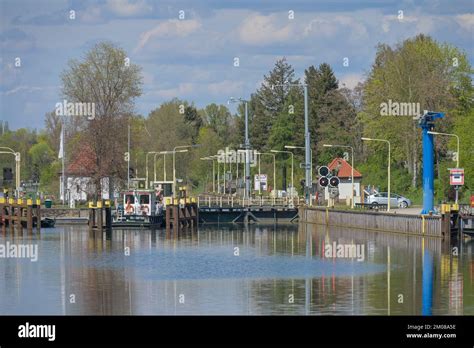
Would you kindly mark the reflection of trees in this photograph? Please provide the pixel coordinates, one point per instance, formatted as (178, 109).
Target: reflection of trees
(121, 290)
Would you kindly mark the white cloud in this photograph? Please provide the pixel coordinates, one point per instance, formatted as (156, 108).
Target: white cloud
(331, 25)
(466, 21)
(225, 88)
(125, 8)
(91, 15)
(28, 89)
(172, 27)
(350, 80)
(257, 29)
(184, 89)
(416, 24)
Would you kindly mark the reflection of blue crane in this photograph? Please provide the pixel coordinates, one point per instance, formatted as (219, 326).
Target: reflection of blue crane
(427, 124)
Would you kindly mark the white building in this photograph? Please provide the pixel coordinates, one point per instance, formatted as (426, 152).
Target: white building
(79, 184)
(344, 174)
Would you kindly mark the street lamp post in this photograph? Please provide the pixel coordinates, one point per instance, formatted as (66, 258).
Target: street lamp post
(237, 174)
(307, 147)
(154, 167)
(246, 145)
(292, 160)
(17, 166)
(388, 175)
(311, 155)
(225, 160)
(352, 169)
(146, 165)
(274, 167)
(174, 162)
(164, 153)
(457, 155)
(218, 178)
(213, 172)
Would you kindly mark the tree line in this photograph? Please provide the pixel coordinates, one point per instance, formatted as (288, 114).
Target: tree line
(434, 76)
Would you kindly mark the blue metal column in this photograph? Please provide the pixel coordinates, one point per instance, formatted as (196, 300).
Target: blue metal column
(427, 124)
(427, 283)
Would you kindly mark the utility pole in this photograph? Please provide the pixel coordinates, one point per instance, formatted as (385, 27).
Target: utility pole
(308, 158)
(247, 155)
(246, 144)
(128, 158)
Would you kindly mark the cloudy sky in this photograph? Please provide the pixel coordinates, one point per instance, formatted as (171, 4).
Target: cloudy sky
(193, 58)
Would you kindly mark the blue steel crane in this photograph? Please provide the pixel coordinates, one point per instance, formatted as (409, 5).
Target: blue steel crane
(427, 124)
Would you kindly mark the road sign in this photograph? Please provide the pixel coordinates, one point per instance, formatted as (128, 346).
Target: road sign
(456, 176)
(305, 165)
(260, 182)
(333, 192)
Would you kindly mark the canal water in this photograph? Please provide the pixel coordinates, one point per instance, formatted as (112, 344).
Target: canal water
(236, 270)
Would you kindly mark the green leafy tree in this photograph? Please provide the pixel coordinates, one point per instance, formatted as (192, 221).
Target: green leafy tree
(331, 115)
(418, 70)
(270, 101)
(106, 78)
(219, 118)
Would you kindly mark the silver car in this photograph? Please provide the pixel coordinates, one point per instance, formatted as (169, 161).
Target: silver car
(395, 200)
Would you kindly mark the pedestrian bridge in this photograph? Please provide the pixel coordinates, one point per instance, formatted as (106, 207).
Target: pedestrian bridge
(229, 201)
(227, 208)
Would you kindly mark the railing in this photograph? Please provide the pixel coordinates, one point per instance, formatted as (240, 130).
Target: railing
(466, 209)
(403, 223)
(228, 201)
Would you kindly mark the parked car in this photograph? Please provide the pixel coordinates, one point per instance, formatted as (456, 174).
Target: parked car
(395, 200)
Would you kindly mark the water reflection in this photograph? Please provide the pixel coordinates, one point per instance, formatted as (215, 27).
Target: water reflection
(236, 269)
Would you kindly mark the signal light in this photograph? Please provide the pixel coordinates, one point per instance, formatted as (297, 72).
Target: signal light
(334, 181)
(323, 171)
(323, 181)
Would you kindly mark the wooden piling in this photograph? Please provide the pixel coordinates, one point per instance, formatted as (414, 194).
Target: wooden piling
(29, 219)
(181, 215)
(19, 213)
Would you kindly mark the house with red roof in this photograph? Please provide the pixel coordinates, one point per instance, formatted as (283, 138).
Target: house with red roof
(343, 170)
(79, 173)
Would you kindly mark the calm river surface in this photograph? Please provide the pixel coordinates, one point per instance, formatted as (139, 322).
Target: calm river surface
(233, 269)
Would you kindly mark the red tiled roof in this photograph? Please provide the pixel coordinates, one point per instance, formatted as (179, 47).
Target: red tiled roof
(83, 163)
(344, 169)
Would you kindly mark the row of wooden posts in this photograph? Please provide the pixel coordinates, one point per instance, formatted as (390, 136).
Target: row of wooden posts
(100, 216)
(20, 213)
(181, 213)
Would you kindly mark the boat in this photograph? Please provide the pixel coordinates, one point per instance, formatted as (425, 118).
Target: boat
(143, 207)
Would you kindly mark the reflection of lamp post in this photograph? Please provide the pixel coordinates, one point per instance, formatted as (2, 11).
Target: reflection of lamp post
(457, 155)
(213, 172)
(388, 176)
(292, 157)
(174, 162)
(352, 169)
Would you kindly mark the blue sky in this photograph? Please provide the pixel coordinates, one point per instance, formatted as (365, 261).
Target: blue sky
(192, 58)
